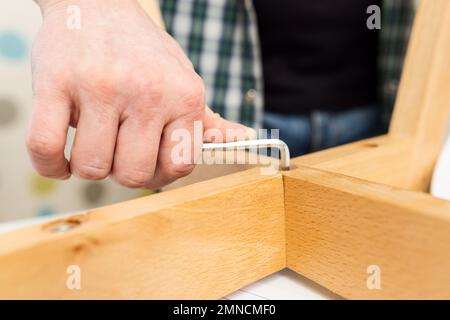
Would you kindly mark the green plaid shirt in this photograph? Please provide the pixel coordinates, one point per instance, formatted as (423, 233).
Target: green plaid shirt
(221, 39)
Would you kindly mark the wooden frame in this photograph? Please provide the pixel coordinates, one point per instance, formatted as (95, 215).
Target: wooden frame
(332, 216)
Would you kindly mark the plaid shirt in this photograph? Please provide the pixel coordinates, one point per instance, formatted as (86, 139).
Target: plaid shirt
(221, 39)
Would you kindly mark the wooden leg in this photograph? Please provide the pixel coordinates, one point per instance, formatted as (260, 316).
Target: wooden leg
(199, 242)
(337, 227)
(423, 103)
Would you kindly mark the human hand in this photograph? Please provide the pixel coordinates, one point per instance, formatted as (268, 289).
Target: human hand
(124, 83)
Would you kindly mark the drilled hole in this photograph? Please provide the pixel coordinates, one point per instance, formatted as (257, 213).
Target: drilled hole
(65, 225)
(62, 227)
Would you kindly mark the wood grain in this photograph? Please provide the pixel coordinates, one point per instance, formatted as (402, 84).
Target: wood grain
(199, 242)
(423, 102)
(338, 226)
(382, 159)
(336, 213)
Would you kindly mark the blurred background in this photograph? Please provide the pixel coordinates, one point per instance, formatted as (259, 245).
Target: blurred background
(24, 194)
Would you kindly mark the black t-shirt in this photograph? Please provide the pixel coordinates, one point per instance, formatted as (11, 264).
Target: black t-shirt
(317, 54)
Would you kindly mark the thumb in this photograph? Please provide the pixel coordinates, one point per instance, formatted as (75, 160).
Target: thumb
(228, 130)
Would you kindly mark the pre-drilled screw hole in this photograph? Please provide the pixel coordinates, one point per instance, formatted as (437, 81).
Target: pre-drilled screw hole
(65, 225)
(62, 227)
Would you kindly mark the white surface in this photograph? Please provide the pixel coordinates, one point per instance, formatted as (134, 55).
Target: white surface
(284, 285)
(440, 185)
(16, 224)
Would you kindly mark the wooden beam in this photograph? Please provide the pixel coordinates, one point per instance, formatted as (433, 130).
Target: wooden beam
(382, 159)
(338, 226)
(199, 242)
(423, 102)
(329, 219)
(212, 238)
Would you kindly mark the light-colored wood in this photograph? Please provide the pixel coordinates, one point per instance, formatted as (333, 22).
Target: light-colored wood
(338, 226)
(423, 103)
(199, 242)
(211, 238)
(382, 159)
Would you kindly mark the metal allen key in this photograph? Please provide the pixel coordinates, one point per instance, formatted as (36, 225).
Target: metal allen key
(285, 157)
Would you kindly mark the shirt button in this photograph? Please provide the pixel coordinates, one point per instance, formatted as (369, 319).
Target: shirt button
(250, 96)
(391, 87)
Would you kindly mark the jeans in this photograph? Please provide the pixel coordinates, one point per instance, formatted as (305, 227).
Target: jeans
(324, 129)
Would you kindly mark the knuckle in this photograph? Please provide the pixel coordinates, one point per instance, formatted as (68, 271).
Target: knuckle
(193, 93)
(92, 172)
(174, 172)
(43, 147)
(133, 179)
(101, 81)
(148, 103)
(103, 85)
(150, 88)
(105, 113)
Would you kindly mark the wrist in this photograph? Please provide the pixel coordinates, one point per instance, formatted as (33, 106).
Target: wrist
(48, 3)
(45, 5)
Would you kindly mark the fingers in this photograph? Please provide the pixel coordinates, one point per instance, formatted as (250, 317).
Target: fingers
(47, 134)
(181, 145)
(182, 141)
(137, 151)
(94, 144)
(229, 131)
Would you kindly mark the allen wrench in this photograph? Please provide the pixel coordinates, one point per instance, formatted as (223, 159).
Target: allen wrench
(285, 156)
